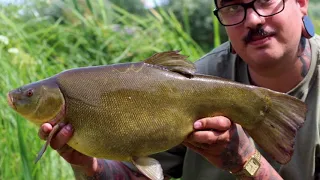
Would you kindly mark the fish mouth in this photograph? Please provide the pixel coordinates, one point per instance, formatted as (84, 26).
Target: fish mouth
(10, 101)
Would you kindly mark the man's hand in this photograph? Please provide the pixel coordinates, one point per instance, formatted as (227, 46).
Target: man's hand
(221, 142)
(59, 143)
(86, 167)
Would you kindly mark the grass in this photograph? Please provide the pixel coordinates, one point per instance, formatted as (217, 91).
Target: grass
(36, 46)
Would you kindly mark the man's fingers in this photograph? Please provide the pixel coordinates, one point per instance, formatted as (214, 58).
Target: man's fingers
(219, 123)
(193, 147)
(65, 150)
(210, 137)
(62, 137)
(44, 131)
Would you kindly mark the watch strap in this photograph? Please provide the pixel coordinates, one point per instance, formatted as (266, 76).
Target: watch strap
(255, 158)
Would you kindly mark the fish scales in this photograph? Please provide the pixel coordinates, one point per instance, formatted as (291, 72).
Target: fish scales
(132, 110)
(153, 104)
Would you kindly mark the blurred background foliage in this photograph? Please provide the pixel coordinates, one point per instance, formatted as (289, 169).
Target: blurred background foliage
(39, 38)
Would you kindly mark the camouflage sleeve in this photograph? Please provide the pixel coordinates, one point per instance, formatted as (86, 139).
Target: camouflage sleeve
(108, 169)
(219, 62)
(171, 161)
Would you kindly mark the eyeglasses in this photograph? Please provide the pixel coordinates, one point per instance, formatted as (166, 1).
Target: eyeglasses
(234, 14)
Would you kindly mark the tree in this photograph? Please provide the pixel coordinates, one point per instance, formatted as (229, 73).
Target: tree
(132, 6)
(197, 19)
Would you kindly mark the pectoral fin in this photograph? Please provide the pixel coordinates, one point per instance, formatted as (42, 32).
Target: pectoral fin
(149, 167)
(55, 129)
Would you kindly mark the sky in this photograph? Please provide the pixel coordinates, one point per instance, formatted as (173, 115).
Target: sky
(151, 3)
(11, 1)
(148, 3)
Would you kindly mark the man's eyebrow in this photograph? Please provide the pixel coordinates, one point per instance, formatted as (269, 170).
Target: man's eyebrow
(224, 2)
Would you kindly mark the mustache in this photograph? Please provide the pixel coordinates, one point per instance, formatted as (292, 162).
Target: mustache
(259, 31)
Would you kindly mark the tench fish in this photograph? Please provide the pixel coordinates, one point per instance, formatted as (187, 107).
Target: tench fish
(129, 111)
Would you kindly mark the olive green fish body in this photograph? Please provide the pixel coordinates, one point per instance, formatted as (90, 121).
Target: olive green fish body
(132, 110)
(125, 111)
(139, 109)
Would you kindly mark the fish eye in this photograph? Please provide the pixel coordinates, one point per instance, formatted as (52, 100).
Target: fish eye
(29, 92)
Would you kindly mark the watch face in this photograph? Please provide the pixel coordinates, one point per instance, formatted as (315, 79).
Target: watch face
(252, 167)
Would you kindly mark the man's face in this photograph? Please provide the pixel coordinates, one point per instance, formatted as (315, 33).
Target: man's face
(263, 41)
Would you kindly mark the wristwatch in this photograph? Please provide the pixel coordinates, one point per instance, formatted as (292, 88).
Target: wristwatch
(251, 167)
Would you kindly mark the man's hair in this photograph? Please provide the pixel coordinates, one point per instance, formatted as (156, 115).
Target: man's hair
(216, 3)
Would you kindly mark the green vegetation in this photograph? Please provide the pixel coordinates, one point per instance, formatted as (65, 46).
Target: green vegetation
(35, 46)
(40, 39)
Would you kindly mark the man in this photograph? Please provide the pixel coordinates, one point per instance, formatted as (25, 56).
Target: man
(271, 45)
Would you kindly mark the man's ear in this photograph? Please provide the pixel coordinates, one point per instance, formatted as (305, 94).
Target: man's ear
(303, 6)
(307, 25)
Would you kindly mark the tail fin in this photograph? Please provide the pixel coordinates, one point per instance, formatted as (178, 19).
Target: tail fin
(276, 134)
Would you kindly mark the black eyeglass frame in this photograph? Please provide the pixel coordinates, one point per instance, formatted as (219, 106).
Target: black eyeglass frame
(245, 6)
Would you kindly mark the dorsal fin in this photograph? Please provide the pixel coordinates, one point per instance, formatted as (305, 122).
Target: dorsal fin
(172, 61)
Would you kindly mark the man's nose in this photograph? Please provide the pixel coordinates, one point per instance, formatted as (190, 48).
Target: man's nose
(253, 19)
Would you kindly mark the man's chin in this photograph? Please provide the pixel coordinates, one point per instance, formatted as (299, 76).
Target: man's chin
(262, 58)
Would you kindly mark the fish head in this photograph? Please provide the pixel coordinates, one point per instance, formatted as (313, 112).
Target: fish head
(39, 102)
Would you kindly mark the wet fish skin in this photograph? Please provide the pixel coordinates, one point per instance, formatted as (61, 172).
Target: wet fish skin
(132, 110)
